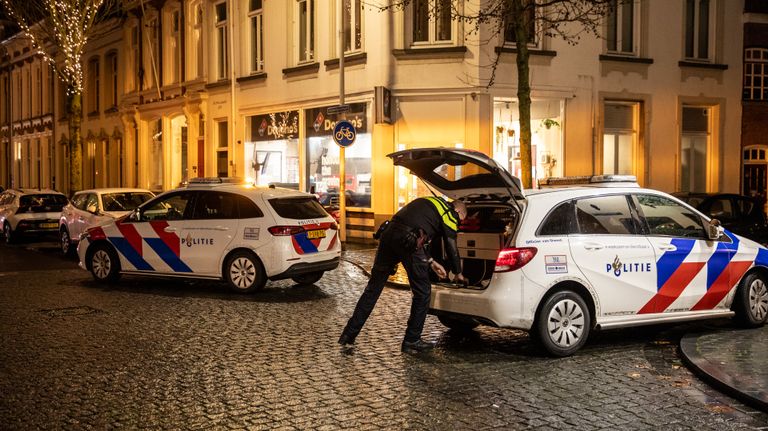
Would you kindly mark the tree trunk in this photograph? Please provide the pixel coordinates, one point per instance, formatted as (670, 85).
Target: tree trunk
(523, 92)
(74, 115)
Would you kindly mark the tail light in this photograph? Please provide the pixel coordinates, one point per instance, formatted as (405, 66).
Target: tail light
(511, 259)
(285, 230)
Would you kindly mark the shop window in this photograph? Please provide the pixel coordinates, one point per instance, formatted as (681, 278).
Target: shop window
(694, 148)
(620, 137)
(272, 149)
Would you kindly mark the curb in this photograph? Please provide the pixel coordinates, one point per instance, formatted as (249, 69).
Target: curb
(715, 376)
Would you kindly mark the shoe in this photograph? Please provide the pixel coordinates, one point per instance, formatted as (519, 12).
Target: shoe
(418, 346)
(346, 341)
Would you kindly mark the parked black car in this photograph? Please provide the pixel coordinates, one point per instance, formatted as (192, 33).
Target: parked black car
(742, 215)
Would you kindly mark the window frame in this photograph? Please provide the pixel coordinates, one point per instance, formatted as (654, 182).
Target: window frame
(536, 43)
(750, 65)
(221, 40)
(634, 215)
(618, 12)
(94, 82)
(353, 20)
(308, 29)
(709, 136)
(256, 40)
(636, 107)
(647, 228)
(432, 23)
(112, 81)
(692, 31)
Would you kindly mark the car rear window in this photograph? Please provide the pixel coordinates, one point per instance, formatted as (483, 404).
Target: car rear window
(298, 207)
(125, 201)
(42, 203)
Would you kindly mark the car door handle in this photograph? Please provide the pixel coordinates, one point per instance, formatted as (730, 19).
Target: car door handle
(170, 229)
(667, 247)
(593, 246)
(221, 228)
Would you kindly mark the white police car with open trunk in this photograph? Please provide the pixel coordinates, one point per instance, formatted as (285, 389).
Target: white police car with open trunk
(217, 229)
(560, 262)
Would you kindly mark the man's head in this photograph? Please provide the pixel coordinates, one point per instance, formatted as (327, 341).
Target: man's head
(460, 208)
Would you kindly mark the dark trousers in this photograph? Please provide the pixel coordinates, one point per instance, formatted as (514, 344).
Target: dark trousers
(388, 255)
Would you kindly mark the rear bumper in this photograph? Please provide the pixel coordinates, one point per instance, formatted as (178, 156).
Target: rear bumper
(307, 267)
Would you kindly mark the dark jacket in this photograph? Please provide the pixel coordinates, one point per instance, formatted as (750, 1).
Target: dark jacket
(422, 214)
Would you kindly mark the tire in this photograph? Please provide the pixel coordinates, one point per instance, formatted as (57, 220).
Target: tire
(104, 264)
(751, 301)
(308, 278)
(65, 242)
(457, 324)
(243, 272)
(8, 235)
(563, 323)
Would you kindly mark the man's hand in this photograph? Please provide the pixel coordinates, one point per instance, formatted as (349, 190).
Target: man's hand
(439, 270)
(460, 279)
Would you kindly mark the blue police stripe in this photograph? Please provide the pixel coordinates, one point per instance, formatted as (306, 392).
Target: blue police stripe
(305, 243)
(167, 255)
(671, 260)
(719, 261)
(762, 257)
(124, 247)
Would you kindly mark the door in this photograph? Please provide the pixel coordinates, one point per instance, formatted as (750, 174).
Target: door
(206, 237)
(612, 254)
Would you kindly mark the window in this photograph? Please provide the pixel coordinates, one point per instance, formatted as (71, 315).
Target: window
(111, 81)
(305, 30)
(694, 149)
(174, 45)
(605, 215)
(151, 67)
(256, 17)
(755, 74)
(298, 208)
(213, 205)
(559, 221)
(621, 27)
(222, 41)
(94, 85)
(197, 57)
(133, 57)
(222, 150)
(352, 25)
(620, 137)
(698, 29)
(529, 20)
(169, 207)
(431, 22)
(666, 217)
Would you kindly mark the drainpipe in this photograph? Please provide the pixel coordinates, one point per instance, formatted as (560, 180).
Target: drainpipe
(232, 100)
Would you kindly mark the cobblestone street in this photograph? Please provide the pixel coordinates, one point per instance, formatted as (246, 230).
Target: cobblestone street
(160, 354)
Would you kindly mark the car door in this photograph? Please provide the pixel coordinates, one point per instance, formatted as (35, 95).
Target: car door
(611, 253)
(693, 271)
(85, 214)
(152, 236)
(204, 240)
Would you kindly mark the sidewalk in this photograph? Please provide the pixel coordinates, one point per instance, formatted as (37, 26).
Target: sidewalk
(732, 360)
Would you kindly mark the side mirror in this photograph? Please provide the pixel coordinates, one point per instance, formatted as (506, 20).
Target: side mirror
(714, 230)
(135, 215)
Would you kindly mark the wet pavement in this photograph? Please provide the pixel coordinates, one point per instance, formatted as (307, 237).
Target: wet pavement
(734, 361)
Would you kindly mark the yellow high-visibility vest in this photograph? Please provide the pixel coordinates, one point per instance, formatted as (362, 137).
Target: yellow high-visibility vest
(449, 217)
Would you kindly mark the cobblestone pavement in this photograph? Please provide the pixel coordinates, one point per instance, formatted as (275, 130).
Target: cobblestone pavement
(152, 353)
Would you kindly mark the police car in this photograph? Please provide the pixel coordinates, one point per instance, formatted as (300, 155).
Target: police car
(561, 262)
(217, 229)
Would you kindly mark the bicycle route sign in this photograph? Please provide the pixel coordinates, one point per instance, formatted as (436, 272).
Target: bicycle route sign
(344, 133)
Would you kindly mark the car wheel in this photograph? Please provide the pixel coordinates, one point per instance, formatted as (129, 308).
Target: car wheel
(457, 324)
(563, 323)
(104, 264)
(243, 272)
(751, 301)
(308, 278)
(65, 242)
(10, 238)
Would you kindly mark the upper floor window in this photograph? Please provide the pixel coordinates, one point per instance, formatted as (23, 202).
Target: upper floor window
(528, 19)
(222, 41)
(173, 42)
(256, 18)
(621, 27)
(352, 25)
(698, 29)
(151, 63)
(196, 59)
(94, 85)
(755, 74)
(305, 30)
(133, 76)
(431, 23)
(111, 80)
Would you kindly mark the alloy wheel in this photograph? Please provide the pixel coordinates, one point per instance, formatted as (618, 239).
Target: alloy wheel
(242, 272)
(101, 264)
(565, 323)
(758, 299)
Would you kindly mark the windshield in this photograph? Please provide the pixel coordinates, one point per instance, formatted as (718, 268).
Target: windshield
(125, 201)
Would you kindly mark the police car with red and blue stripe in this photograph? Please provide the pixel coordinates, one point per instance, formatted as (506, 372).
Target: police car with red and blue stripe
(600, 253)
(218, 229)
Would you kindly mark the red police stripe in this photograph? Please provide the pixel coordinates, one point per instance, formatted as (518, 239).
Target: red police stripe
(333, 241)
(132, 236)
(169, 238)
(722, 285)
(672, 288)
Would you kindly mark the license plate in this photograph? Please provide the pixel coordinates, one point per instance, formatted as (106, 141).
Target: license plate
(48, 225)
(314, 234)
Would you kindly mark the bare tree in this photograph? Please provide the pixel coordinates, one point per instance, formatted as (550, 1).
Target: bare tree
(524, 21)
(58, 30)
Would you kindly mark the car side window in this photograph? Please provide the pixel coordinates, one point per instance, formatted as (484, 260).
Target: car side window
(79, 201)
(171, 207)
(721, 208)
(745, 205)
(92, 203)
(248, 209)
(666, 217)
(215, 205)
(607, 215)
(559, 221)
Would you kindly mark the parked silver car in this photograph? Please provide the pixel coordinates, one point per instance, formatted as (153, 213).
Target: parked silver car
(30, 212)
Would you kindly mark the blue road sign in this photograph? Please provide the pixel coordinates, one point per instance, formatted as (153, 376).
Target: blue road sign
(344, 133)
